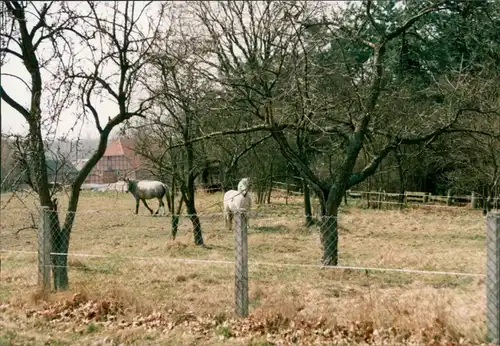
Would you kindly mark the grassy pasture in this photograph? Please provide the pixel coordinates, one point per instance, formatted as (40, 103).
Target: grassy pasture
(132, 261)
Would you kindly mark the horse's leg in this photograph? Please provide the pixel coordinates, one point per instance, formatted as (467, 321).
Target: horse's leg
(230, 220)
(226, 218)
(137, 205)
(162, 205)
(227, 212)
(147, 206)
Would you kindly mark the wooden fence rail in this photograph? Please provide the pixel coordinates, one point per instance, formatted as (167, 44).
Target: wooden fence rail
(376, 199)
(382, 199)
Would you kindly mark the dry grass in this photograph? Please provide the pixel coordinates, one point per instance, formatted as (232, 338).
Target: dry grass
(435, 239)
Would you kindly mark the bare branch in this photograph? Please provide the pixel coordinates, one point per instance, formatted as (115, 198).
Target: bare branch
(11, 52)
(11, 102)
(18, 78)
(409, 23)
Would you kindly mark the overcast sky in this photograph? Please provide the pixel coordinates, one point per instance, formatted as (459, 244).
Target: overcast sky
(14, 70)
(13, 122)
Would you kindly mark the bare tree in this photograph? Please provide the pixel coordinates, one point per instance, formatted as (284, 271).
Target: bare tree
(26, 44)
(476, 157)
(252, 42)
(232, 152)
(154, 143)
(179, 95)
(114, 38)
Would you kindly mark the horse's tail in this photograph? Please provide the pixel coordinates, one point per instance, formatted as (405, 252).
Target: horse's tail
(167, 196)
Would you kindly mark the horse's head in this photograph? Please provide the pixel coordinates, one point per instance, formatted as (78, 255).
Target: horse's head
(130, 183)
(244, 185)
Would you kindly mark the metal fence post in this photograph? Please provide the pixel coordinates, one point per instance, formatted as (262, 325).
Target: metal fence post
(493, 276)
(44, 249)
(241, 279)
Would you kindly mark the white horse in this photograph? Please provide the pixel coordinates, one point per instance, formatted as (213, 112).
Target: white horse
(237, 201)
(148, 189)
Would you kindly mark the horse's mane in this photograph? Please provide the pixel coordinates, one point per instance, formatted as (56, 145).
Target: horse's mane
(132, 183)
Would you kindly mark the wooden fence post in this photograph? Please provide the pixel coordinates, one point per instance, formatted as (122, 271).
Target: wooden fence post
(425, 199)
(493, 277)
(473, 200)
(44, 249)
(241, 279)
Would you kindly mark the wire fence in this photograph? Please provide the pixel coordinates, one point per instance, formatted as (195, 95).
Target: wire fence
(271, 247)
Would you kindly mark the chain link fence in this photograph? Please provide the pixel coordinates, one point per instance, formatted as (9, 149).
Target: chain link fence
(270, 260)
(493, 277)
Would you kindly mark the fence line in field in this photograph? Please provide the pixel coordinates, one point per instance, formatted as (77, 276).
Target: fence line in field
(358, 193)
(409, 196)
(378, 198)
(254, 263)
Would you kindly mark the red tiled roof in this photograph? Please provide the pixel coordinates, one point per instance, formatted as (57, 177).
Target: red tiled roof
(128, 146)
(120, 146)
(114, 148)
(128, 150)
(123, 147)
(128, 162)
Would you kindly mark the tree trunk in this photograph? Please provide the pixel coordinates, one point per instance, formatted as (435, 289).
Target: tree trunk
(60, 246)
(61, 235)
(330, 200)
(195, 220)
(174, 222)
(174, 225)
(401, 173)
(307, 204)
(260, 195)
(198, 236)
(190, 198)
(329, 237)
(489, 203)
(270, 190)
(191, 210)
(176, 217)
(287, 192)
(60, 238)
